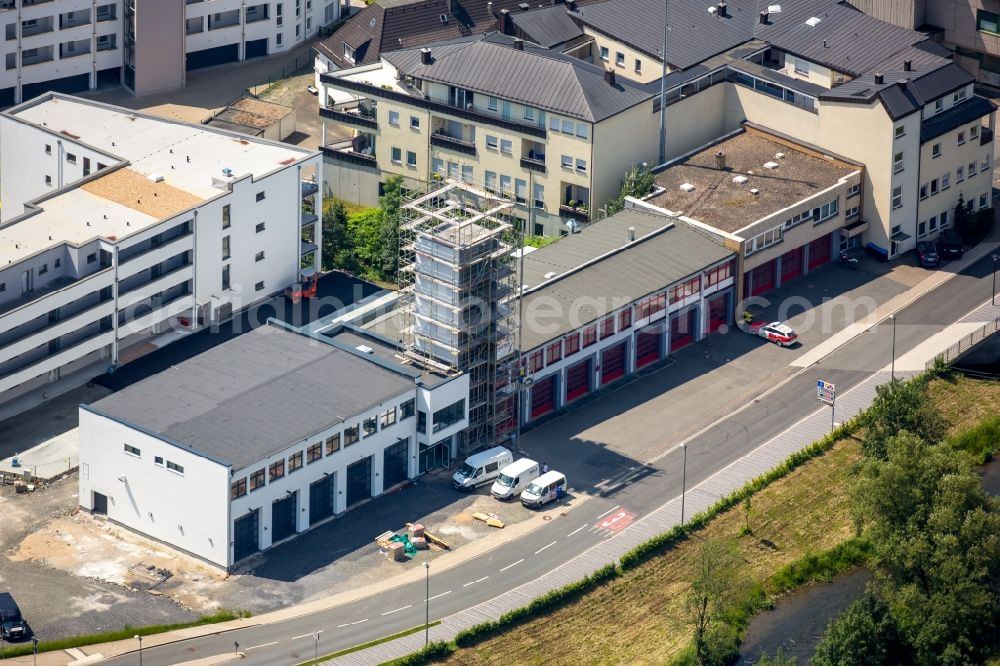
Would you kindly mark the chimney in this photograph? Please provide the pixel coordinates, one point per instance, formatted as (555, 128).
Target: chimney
(489, 8)
(879, 79)
(571, 5)
(825, 44)
(721, 10)
(519, 44)
(524, 6)
(631, 234)
(764, 16)
(902, 83)
(720, 161)
(506, 25)
(609, 76)
(907, 65)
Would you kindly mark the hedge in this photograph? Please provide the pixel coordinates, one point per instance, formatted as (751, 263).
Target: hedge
(431, 652)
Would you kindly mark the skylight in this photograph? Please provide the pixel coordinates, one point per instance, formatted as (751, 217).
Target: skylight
(813, 22)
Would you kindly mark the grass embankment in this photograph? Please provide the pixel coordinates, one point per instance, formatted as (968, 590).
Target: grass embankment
(801, 529)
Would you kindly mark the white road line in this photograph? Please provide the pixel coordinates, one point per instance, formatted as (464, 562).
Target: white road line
(608, 511)
(544, 547)
(396, 610)
(512, 565)
(576, 530)
(254, 647)
(475, 581)
(341, 626)
(359, 621)
(295, 638)
(437, 596)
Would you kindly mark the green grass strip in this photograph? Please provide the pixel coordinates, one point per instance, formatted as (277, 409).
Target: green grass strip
(369, 644)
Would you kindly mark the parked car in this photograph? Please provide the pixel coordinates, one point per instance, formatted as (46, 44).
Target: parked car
(950, 244)
(780, 334)
(927, 254)
(312, 89)
(12, 625)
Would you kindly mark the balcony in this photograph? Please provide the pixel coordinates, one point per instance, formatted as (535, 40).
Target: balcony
(355, 118)
(73, 49)
(163, 282)
(533, 164)
(74, 19)
(256, 13)
(106, 13)
(36, 27)
(166, 309)
(36, 56)
(985, 136)
(309, 188)
(77, 350)
(74, 322)
(351, 152)
(441, 139)
(308, 219)
(224, 20)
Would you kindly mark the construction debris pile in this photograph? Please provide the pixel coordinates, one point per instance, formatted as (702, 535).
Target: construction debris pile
(404, 547)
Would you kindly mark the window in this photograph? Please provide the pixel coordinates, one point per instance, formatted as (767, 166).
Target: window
(923, 191)
(970, 205)
(351, 435)
(897, 197)
(933, 223)
(650, 306)
(582, 131)
(421, 422)
(411, 158)
(259, 256)
(414, 123)
(48, 149)
(259, 286)
(539, 195)
(958, 96)
(801, 67)
(132, 451)
(767, 239)
(944, 219)
(506, 146)
(974, 132)
(48, 180)
(607, 327)
(71, 158)
(278, 37)
(959, 174)
(449, 416)
(520, 191)
(225, 217)
(987, 21)
(572, 344)
(553, 123)
(624, 319)
(853, 211)
(567, 162)
(394, 118)
(961, 137)
(682, 291)
(369, 426)
(539, 229)
(259, 228)
(590, 335)
(897, 162)
(388, 417)
(238, 489)
(257, 480)
(261, 196)
(529, 113)
(934, 187)
(407, 408)
(854, 190)
(553, 352)
(91, 258)
(921, 229)
(983, 200)
(936, 151)
(536, 361)
(938, 105)
(492, 104)
(225, 277)
(43, 269)
(567, 126)
(491, 181)
(276, 470)
(314, 452)
(467, 176)
(581, 166)
(718, 274)
(900, 131)
(333, 443)
(972, 169)
(225, 247)
(294, 462)
(604, 53)
(946, 181)
(491, 142)
(619, 59)
(505, 184)
(397, 155)
(638, 66)
(348, 52)
(986, 163)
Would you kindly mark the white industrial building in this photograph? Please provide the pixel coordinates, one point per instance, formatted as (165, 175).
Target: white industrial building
(261, 438)
(118, 226)
(148, 45)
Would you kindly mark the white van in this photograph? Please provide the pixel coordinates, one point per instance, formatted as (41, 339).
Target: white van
(544, 489)
(481, 468)
(514, 478)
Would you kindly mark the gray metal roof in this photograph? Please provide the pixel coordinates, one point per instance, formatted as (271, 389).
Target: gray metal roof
(955, 117)
(533, 76)
(645, 266)
(547, 27)
(904, 92)
(255, 395)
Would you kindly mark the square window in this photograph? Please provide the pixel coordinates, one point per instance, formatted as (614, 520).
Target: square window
(351, 435)
(972, 169)
(314, 452)
(407, 409)
(492, 104)
(411, 158)
(294, 462)
(388, 417)
(257, 479)
(567, 162)
(43, 269)
(624, 319)
(529, 113)
(936, 151)
(369, 426)
(394, 118)
(48, 180)
(572, 343)
(397, 155)
(938, 105)
(590, 335)
(259, 256)
(261, 196)
(604, 53)
(607, 327)
(974, 132)
(619, 59)
(923, 191)
(801, 67)
(553, 352)
(581, 166)
(238, 489)
(986, 163)
(333, 443)
(276, 470)
(414, 122)
(491, 142)
(567, 126)
(506, 146)
(958, 96)
(582, 130)
(259, 286)
(900, 131)
(91, 258)
(48, 149)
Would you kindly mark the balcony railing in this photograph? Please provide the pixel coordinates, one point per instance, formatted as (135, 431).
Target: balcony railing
(341, 152)
(443, 140)
(355, 119)
(985, 136)
(533, 164)
(576, 212)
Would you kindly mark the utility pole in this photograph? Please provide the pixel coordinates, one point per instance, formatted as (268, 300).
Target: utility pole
(663, 84)
(684, 481)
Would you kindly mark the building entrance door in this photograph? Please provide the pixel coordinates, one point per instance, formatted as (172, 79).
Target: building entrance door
(433, 456)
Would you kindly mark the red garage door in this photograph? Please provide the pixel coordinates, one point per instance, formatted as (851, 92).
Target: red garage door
(612, 363)
(718, 311)
(578, 380)
(791, 265)
(819, 252)
(762, 278)
(681, 330)
(648, 346)
(543, 396)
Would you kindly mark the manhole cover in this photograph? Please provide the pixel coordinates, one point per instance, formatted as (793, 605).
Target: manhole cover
(546, 517)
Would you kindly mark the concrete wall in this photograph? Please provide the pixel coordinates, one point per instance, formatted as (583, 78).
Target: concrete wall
(620, 142)
(651, 69)
(159, 46)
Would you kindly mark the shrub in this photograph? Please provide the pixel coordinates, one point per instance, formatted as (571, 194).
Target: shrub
(430, 653)
(980, 442)
(819, 567)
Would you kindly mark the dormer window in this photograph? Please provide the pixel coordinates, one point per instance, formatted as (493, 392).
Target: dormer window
(348, 53)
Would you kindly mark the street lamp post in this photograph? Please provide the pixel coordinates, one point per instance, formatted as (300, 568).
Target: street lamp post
(892, 366)
(316, 644)
(427, 604)
(139, 638)
(684, 480)
(993, 300)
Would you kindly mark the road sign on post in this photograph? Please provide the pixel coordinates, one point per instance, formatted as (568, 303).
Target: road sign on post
(825, 392)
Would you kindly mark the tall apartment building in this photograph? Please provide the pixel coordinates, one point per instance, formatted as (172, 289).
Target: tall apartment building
(148, 45)
(118, 226)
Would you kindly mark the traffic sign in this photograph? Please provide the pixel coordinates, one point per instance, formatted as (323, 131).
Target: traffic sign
(825, 392)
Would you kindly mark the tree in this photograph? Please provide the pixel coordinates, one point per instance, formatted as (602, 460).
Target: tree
(337, 250)
(364, 228)
(864, 634)
(935, 539)
(637, 182)
(715, 590)
(899, 406)
(386, 265)
(779, 659)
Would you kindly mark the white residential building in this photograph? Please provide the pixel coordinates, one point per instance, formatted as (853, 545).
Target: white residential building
(261, 438)
(148, 45)
(117, 226)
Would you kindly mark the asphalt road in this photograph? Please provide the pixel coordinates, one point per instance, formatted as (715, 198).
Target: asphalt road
(640, 490)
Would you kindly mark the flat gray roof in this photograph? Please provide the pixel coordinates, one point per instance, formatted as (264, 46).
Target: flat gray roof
(255, 395)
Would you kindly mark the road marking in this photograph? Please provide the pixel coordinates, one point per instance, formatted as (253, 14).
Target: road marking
(576, 530)
(396, 610)
(254, 647)
(512, 565)
(341, 626)
(618, 506)
(295, 638)
(544, 547)
(359, 621)
(437, 595)
(618, 521)
(475, 581)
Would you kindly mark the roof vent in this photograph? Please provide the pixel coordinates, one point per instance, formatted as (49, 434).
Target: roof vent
(425, 56)
(770, 165)
(774, 9)
(907, 65)
(631, 234)
(754, 191)
(609, 76)
(550, 275)
(524, 6)
(713, 9)
(227, 172)
(365, 349)
(519, 44)
(779, 156)
(720, 161)
(813, 21)
(687, 187)
(155, 177)
(879, 79)
(489, 8)
(739, 180)
(764, 16)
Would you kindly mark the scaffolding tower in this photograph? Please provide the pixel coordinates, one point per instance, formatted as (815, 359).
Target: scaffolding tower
(457, 280)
